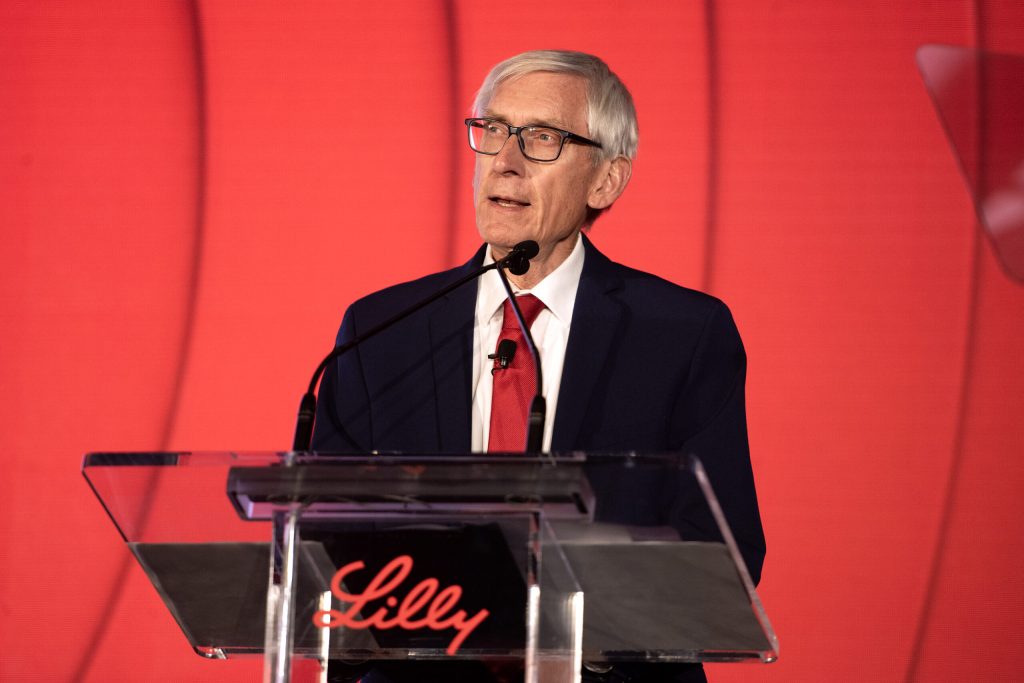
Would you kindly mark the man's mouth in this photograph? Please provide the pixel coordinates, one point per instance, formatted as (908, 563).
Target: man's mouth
(507, 202)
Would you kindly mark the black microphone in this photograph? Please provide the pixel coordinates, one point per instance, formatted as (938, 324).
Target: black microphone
(518, 258)
(506, 352)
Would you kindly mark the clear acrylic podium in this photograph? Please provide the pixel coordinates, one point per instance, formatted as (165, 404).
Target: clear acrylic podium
(360, 560)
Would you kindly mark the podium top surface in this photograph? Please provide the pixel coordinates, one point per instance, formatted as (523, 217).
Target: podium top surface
(384, 458)
(228, 496)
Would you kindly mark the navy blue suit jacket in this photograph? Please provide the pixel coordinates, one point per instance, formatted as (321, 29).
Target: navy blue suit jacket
(650, 367)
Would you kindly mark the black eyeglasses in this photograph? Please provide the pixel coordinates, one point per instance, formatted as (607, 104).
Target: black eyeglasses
(538, 143)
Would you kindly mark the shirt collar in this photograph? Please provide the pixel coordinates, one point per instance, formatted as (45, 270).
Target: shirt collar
(557, 290)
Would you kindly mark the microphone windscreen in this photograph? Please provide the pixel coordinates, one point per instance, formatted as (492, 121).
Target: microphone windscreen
(519, 259)
(528, 249)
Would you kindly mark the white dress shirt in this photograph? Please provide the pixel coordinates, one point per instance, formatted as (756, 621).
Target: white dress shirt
(550, 333)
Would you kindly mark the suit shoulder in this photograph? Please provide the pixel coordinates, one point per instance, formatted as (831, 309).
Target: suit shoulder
(404, 293)
(374, 309)
(658, 292)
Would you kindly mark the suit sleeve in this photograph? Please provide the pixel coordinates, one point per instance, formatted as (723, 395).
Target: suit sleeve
(709, 421)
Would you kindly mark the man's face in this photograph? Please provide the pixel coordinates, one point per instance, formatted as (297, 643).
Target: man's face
(518, 199)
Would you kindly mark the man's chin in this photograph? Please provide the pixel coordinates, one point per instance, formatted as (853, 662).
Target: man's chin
(503, 237)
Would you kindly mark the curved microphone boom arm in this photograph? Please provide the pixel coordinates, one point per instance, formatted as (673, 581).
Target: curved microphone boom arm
(517, 262)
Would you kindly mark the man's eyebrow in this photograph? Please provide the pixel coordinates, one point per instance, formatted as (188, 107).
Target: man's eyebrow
(488, 114)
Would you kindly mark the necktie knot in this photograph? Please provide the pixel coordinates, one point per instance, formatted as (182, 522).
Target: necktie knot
(531, 307)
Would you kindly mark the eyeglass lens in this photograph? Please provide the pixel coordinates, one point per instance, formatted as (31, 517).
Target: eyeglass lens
(539, 143)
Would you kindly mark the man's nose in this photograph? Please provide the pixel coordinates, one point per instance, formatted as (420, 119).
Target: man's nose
(509, 158)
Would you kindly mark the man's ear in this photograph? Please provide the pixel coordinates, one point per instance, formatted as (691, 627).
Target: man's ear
(610, 183)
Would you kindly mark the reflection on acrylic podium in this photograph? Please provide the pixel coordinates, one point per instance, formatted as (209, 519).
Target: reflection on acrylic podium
(363, 560)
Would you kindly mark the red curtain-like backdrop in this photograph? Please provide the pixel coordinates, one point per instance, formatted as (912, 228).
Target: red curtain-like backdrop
(191, 192)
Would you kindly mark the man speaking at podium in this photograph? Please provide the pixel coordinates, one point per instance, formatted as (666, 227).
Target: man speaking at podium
(631, 362)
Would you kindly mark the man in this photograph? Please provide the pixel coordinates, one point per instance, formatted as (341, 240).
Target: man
(631, 362)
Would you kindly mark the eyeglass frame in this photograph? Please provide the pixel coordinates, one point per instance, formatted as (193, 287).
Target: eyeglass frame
(516, 130)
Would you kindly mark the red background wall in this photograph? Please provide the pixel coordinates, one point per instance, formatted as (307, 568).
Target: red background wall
(190, 193)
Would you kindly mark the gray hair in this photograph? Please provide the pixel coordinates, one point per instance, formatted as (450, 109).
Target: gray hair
(611, 117)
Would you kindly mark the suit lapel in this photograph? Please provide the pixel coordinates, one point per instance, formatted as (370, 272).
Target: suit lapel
(596, 318)
(451, 340)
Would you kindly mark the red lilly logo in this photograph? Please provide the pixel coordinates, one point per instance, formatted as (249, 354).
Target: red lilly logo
(415, 604)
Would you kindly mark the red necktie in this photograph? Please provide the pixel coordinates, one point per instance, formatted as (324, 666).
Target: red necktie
(514, 384)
